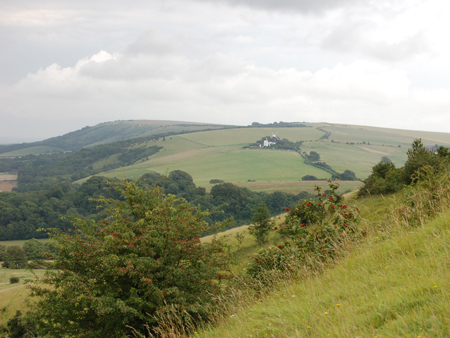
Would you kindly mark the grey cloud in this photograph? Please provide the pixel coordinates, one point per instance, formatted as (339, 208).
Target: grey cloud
(350, 37)
(405, 49)
(149, 43)
(303, 6)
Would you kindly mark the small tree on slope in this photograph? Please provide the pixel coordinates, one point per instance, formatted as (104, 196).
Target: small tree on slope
(262, 224)
(127, 270)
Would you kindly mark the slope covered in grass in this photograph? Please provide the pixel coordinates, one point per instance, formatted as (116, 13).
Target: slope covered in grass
(393, 283)
(390, 286)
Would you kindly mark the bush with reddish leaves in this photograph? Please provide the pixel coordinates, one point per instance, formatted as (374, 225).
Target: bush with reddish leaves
(127, 270)
(314, 228)
(317, 226)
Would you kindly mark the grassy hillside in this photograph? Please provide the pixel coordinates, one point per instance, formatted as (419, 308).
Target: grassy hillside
(390, 286)
(393, 283)
(36, 150)
(219, 155)
(103, 133)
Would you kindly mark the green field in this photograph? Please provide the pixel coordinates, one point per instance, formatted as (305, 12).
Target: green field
(219, 155)
(21, 241)
(13, 297)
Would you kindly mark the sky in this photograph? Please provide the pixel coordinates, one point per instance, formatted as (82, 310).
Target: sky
(67, 64)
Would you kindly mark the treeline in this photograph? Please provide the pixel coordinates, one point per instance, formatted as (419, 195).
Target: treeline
(40, 172)
(283, 144)
(313, 159)
(22, 214)
(16, 257)
(386, 178)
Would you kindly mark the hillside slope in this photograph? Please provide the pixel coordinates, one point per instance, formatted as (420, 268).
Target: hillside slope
(103, 133)
(393, 284)
(219, 154)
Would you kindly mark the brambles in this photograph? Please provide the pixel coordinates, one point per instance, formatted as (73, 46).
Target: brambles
(317, 226)
(281, 258)
(314, 228)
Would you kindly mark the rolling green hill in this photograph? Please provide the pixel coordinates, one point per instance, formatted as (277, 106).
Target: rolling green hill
(220, 155)
(103, 133)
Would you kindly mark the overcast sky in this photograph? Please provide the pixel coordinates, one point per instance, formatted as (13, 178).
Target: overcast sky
(67, 64)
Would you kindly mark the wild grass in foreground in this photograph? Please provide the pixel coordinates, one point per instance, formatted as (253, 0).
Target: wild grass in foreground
(393, 283)
(388, 287)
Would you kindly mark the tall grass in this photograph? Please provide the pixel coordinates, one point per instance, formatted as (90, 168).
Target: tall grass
(393, 283)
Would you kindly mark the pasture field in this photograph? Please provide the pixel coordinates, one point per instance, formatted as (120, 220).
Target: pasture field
(20, 242)
(31, 151)
(7, 185)
(13, 297)
(7, 177)
(358, 158)
(294, 187)
(218, 154)
(7, 181)
(232, 165)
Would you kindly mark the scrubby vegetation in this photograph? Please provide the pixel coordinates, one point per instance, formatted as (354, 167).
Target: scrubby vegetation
(386, 178)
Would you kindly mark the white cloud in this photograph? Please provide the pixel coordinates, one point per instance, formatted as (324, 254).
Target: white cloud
(221, 89)
(369, 62)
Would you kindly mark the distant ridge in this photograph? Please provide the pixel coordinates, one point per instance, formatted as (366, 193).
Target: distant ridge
(107, 132)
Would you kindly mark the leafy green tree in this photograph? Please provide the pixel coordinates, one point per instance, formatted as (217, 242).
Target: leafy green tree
(2, 253)
(418, 157)
(34, 249)
(145, 259)
(262, 224)
(15, 258)
(385, 179)
(313, 156)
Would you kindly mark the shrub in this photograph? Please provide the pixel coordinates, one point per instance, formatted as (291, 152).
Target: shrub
(273, 259)
(15, 258)
(127, 270)
(13, 280)
(309, 178)
(262, 224)
(318, 226)
(216, 181)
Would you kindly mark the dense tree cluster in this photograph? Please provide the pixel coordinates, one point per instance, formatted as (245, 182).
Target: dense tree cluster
(386, 178)
(44, 171)
(22, 214)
